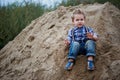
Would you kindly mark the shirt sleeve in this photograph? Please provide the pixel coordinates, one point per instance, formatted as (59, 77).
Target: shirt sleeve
(69, 37)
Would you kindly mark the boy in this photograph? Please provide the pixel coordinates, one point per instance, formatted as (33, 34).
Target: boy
(81, 39)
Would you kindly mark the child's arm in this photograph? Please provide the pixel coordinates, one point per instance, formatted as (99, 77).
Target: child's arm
(95, 37)
(69, 37)
(67, 42)
(92, 35)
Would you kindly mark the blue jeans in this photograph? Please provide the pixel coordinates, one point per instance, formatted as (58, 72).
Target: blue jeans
(87, 48)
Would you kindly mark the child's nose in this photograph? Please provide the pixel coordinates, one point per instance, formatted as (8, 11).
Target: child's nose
(80, 21)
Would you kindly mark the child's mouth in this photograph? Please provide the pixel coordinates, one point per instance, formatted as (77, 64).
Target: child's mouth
(80, 24)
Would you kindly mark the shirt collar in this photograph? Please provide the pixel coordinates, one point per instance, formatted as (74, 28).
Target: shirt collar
(78, 27)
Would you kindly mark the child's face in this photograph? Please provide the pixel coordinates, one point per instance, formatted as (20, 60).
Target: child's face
(79, 20)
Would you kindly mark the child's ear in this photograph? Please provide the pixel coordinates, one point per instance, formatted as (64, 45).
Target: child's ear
(72, 19)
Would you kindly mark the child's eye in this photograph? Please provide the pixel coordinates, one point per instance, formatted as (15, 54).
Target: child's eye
(77, 19)
(81, 19)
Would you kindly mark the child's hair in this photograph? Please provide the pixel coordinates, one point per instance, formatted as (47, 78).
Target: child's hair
(78, 11)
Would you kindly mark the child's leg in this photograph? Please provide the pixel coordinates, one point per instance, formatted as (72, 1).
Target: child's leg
(90, 58)
(90, 48)
(73, 52)
(90, 52)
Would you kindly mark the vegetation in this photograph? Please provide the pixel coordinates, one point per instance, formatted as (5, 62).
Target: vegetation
(15, 17)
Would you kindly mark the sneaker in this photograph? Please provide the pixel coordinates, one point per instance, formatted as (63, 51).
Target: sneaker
(69, 65)
(90, 65)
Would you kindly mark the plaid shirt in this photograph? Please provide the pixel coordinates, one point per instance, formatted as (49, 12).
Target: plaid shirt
(80, 33)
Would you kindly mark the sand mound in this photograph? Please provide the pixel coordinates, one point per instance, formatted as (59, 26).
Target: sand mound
(39, 53)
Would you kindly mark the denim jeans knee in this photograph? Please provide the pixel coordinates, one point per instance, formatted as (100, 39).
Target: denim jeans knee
(74, 49)
(90, 48)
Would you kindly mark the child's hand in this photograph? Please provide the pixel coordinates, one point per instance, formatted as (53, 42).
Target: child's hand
(89, 35)
(67, 42)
